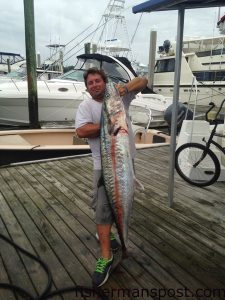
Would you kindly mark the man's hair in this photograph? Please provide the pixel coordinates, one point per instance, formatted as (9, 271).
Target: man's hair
(95, 71)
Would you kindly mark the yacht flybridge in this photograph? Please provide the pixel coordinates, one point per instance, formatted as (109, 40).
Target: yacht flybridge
(202, 70)
(59, 98)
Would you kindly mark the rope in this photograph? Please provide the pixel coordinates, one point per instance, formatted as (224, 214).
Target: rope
(46, 294)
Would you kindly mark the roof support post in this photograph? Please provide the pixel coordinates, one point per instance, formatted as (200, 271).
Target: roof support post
(179, 44)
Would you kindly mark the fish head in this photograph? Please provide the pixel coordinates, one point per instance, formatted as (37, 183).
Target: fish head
(114, 109)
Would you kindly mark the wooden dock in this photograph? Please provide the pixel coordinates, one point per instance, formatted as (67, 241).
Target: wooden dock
(175, 253)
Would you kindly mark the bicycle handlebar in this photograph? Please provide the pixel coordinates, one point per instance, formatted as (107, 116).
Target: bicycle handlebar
(212, 106)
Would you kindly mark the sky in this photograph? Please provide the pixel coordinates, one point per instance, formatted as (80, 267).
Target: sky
(60, 21)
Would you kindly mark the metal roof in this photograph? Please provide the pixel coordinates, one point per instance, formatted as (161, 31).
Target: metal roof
(162, 5)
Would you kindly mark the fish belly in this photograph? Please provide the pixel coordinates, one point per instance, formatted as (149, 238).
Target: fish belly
(118, 177)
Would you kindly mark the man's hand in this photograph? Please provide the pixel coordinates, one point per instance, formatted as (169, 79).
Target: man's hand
(136, 85)
(122, 89)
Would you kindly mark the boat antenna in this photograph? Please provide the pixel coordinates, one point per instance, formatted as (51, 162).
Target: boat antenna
(57, 61)
(107, 37)
(132, 39)
(57, 52)
(81, 42)
(78, 35)
(219, 8)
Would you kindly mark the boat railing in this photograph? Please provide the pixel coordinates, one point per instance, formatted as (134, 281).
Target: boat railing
(47, 85)
(15, 84)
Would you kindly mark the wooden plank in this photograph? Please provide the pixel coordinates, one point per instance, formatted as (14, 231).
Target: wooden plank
(184, 255)
(72, 223)
(15, 267)
(48, 225)
(192, 231)
(82, 256)
(156, 187)
(36, 235)
(4, 278)
(158, 270)
(170, 248)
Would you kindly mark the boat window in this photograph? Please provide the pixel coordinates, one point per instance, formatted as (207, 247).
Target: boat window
(213, 63)
(211, 53)
(210, 75)
(115, 72)
(165, 65)
(91, 63)
(84, 64)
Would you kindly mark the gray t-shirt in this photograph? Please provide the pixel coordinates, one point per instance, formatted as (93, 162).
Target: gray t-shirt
(89, 111)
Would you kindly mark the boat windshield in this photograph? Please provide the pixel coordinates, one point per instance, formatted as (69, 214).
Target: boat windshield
(20, 74)
(113, 70)
(76, 75)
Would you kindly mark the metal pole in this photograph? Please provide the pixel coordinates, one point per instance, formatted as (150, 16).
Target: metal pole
(31, 63)
(8, 65)
(179, 43)
(152, 51)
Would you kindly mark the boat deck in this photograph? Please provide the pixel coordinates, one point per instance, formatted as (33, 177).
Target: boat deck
(174, 253)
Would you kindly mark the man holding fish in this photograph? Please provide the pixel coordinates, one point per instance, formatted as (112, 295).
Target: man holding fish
(105, 121)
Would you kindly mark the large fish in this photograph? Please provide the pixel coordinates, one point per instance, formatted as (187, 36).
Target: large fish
(117, 165)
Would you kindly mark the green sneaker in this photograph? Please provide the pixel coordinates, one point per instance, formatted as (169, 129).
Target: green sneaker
(102, 271)
(113, 241)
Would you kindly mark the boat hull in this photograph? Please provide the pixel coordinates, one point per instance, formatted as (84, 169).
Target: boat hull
(11, 156)
(19, 146)
(57, 101)
(15, 112)
(205, 94)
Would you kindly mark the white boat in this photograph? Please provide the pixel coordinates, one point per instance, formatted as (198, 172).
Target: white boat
(37, 144)
(203, 59)
(21, 74)
(59, 98)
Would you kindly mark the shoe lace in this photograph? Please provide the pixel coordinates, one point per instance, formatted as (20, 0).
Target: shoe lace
(112, 236)
(101, 264)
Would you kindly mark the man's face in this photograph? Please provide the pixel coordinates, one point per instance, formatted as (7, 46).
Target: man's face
(96, 86)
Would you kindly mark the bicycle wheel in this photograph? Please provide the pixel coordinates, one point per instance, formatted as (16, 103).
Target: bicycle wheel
(194, 171)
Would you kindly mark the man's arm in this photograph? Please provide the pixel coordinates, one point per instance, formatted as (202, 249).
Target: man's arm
(135, 85)
(89, 130)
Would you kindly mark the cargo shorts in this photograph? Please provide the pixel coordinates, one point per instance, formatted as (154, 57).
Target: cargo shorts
(100, 203)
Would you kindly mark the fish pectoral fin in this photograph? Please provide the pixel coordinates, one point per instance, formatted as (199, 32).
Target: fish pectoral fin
(100, 181)
(113, 130)
(116, 130)
(138, 185)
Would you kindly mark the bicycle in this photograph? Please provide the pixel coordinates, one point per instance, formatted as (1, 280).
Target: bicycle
(196, 163)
